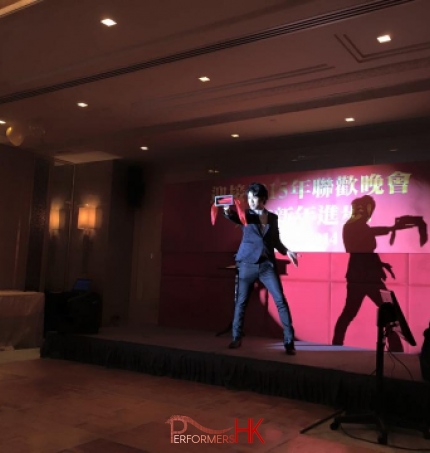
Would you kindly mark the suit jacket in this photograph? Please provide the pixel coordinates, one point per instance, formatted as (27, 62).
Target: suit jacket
(257, 242)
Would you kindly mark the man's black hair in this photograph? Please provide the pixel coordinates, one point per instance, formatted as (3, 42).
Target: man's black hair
(258, 190)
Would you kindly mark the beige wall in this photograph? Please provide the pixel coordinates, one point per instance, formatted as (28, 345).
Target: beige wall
(61, 199)
(145, 288)
(104, 254)
(16, 185)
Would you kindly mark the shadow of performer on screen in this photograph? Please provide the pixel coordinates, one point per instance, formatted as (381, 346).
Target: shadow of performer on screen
(366, 273)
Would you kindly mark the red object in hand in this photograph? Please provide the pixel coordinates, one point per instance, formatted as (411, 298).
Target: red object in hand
(214, 213)
(240, 211)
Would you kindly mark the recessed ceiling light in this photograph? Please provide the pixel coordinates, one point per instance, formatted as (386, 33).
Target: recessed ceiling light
(349, 120)
(204, 79)
(2, 122)
(235, 135)
(144, 148)
(82, 104)
(384, 38)
(108, 22)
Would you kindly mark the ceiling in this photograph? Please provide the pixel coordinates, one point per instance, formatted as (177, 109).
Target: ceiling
(277, 68)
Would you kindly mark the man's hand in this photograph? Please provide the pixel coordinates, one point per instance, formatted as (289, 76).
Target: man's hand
(293, 257)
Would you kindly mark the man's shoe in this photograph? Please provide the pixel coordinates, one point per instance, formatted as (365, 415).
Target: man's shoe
(290, 349)
(236, 343)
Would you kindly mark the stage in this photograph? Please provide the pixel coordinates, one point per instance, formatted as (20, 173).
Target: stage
(337, 376)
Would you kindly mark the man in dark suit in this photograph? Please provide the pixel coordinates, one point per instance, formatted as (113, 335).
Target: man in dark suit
(256, 260)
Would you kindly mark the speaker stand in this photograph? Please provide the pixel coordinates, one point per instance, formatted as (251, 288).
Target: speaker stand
(375, 417)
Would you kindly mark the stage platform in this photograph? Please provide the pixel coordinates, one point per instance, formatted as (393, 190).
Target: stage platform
(337, 376)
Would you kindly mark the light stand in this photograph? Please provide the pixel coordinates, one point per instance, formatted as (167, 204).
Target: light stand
(389, 313)
(386, 316)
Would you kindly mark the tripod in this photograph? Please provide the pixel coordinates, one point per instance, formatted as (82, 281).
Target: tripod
(386, 318)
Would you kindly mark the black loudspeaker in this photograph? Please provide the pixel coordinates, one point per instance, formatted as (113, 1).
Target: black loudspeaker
(425, 356)
(135, 186)
(83, 314)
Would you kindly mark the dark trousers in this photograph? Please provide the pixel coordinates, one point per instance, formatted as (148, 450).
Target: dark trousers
(266, 273)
